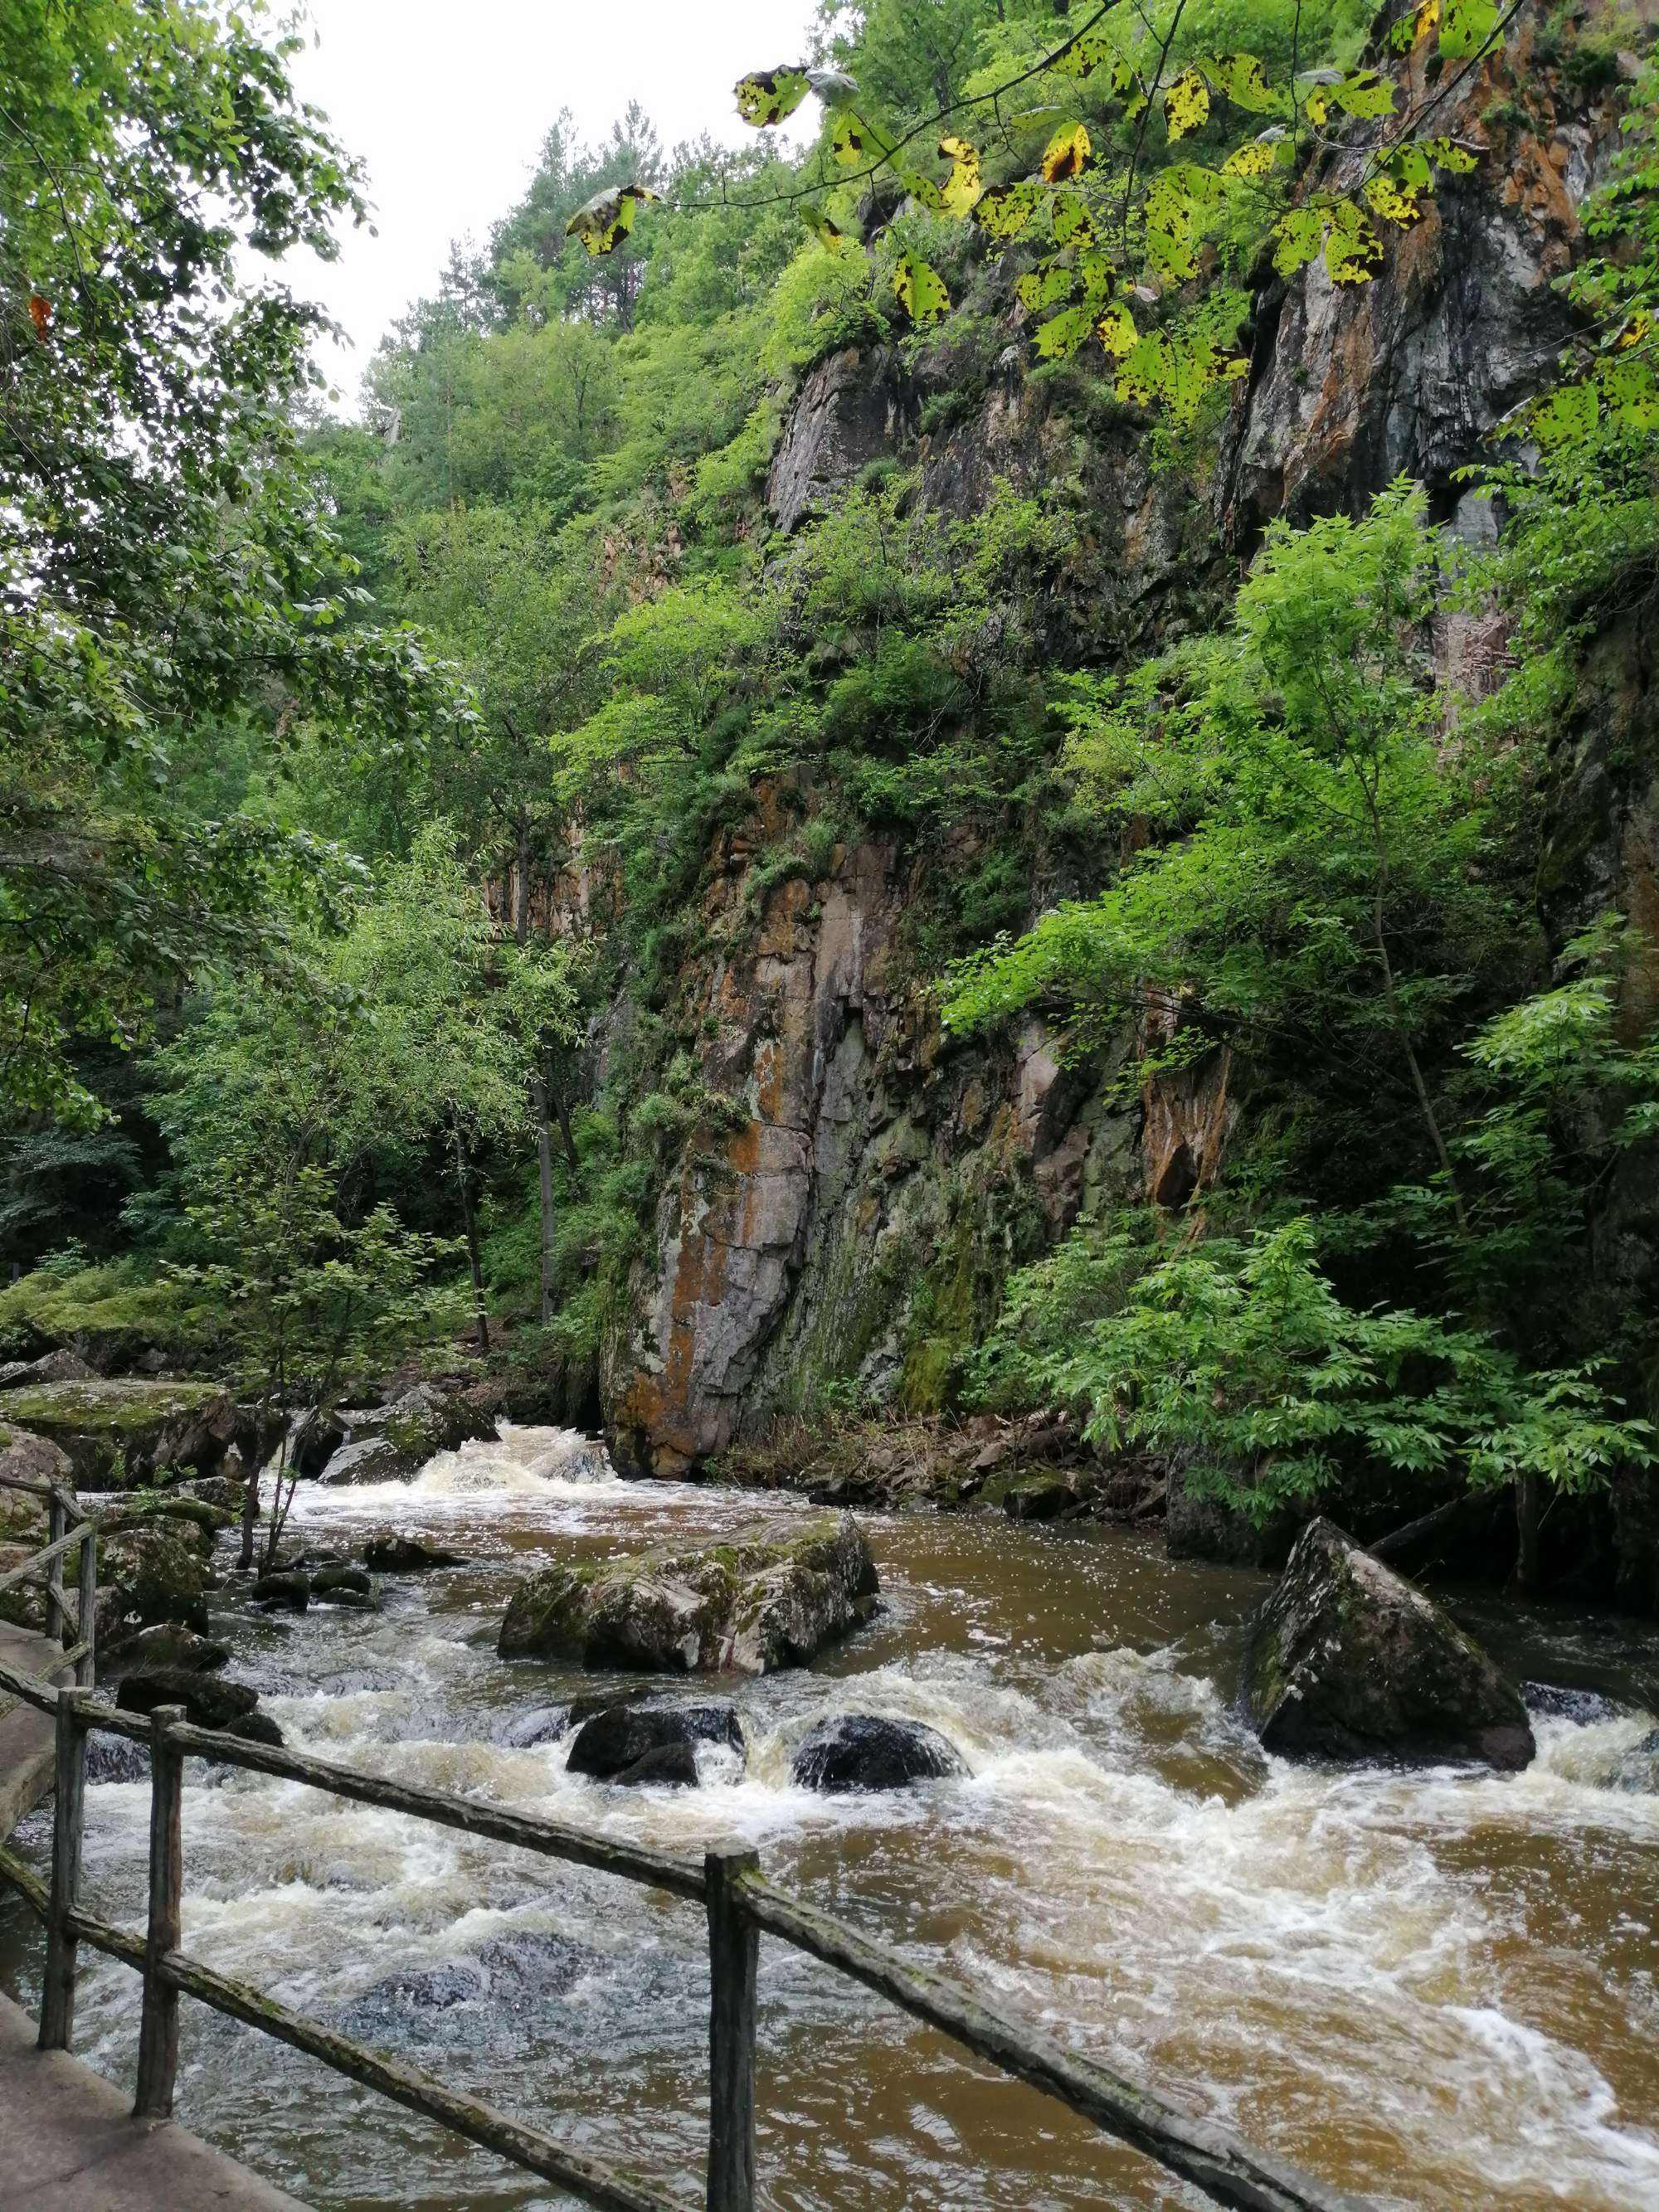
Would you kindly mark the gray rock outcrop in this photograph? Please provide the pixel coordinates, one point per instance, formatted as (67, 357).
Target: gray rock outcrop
(768, 1597)
(1348, 1660)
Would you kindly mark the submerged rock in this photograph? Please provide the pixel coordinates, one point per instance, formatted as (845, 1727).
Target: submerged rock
(768, 1597)
(339, 1585)
(632, 1743)
(286, 1592)
(1637, 1769)
(386, 1553)
(863, 1751)
(1349, 1661)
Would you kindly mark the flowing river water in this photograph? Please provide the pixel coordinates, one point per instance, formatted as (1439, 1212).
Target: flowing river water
(1440, 1987)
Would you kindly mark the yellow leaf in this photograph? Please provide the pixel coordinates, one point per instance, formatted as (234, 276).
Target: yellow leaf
(1068, 150)
(1005, 211)
(1046, 287)
(963, 187)
(920, 290)
(1063, 334)
(829, 234)
(1639, 326)
(1187, 103)
(1117, 331)
(851, 139)
(1385, 198)
(1244, 80)
(766, 96)
(604, 221)
(1073, 225)
(1253, 159)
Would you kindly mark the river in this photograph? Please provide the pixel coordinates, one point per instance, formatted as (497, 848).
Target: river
(1440, 1987)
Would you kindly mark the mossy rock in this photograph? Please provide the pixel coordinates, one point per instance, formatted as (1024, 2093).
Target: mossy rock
(1348, 1660)
(768, 1597)
(120, 1431)
(150, 1573)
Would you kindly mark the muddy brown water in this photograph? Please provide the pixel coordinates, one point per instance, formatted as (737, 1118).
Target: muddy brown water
(1439, 1988)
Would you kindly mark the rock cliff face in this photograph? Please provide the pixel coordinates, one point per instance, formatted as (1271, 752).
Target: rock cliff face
(869, 1184)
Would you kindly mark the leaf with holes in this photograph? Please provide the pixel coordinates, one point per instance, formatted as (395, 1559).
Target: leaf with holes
(828, 234)
(1046, 287)
(1572, 410)
(1354, 251)
(1632, 395)
(1244, 82)
(604, 221)
(852, 141)
(1005, 211)
(1253, 159)
(1187, 103)
(1466, 26)
(766, 96)
(1084, 55)
(1393, 203)
(1069, 150)
(1117, 331)
(1073, 221)
(960, 192)
(1446, 153)
(1635, 330)
(923, 190)
(1362, 93)
(1063, 334)
(1299, 235)
(1414, 24)
(920, 290)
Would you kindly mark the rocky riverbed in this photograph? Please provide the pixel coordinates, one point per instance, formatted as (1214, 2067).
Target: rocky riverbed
(1432, 1984)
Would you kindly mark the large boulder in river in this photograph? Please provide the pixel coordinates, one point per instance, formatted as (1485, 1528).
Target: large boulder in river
(767, 1597)
(1349, 1661)
(390, 1444)
(119, 1432)
(631, 1743)
(862, 1751)
(210, 1700)
(147, 1575)
(386, 1553)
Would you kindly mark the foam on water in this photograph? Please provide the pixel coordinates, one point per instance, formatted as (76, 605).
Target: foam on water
(1438, 1987)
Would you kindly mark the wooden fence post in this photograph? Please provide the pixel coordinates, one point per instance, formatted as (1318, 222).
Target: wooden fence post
(56, 1528)
(158, 2034)
(86, 1626)
(733, 1949)
(58, 1997)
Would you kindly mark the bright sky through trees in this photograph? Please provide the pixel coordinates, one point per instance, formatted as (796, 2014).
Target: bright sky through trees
(448, 107)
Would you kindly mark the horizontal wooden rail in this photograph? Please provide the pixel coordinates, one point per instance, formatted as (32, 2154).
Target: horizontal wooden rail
(30, 1570)
(740, 1904)
(1225, 2168)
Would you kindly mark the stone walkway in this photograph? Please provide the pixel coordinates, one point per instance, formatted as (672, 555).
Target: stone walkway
(72, 2144)
(68, 2140)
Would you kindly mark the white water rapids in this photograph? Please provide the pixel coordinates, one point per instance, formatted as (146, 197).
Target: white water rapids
(1439, 1988)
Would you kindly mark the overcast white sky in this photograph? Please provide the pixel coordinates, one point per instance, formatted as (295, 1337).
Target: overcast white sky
(448, 101)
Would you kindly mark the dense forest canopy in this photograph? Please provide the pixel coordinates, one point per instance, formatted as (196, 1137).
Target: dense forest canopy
(363, 778)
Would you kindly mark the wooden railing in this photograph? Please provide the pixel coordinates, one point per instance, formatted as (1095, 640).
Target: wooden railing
(740, 1906)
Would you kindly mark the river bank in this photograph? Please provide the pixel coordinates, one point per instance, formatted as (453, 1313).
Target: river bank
(1433, 1986)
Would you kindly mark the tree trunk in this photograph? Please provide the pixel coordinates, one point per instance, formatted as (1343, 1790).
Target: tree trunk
(544, 1170)
(471, 1223)
(250, 1516)
(1528, 1510)
(563, 1113)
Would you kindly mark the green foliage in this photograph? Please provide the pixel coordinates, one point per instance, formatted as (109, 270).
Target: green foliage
(1239, 1358)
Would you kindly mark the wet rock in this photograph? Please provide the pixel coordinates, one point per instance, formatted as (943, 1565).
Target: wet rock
(671, 1767)
(768, 1597)
(1553, 1701)
(371, 1459)
(1348, 1660)
(199, 1520)
(210, 1702)
(652, 1743)
(1637, 1769)
(167, 1645)
(115, 1758)
(120, 1432)
(386, 1553)
(256, 1728)
(528, 1731)
(862, 1751)
(391, 1442)
(282, 1592)
(336, 1583)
